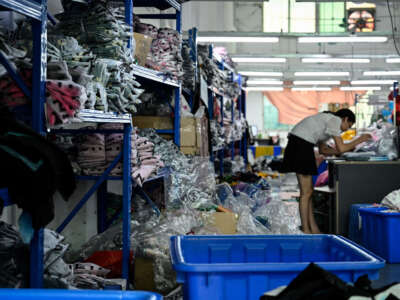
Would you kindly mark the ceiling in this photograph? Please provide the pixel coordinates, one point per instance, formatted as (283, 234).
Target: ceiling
(245, 19)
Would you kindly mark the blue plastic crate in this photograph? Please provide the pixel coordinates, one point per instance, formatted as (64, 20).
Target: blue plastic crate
(36, 294)
(381, 232)
(355, 223)
(245, 267)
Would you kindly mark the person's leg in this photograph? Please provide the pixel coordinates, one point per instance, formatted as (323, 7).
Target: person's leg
(313, 225)
(306, 190)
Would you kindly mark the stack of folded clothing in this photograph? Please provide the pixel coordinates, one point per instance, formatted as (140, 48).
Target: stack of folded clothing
(189, 67)
(148, 163)
(97, 151)
(105, 31)
(165, 53)
(91, 154)
(146, 29)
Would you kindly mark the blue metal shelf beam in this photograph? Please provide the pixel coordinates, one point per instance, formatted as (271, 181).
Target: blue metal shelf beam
(91, 191)
(157, 16)
(29, 8)
(153, 75)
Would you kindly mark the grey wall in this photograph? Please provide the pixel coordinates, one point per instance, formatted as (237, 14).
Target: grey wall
(255, 109)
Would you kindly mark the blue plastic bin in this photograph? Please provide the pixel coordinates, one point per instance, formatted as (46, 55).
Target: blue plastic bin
(245, 267)
(34, 294)
(355, 223)
(381, 232)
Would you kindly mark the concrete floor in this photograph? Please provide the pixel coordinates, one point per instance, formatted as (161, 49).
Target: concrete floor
(389, 274)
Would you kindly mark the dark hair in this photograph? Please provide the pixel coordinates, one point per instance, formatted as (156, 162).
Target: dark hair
(344, 113)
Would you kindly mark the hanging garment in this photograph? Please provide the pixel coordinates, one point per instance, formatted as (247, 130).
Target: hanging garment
(32, 170)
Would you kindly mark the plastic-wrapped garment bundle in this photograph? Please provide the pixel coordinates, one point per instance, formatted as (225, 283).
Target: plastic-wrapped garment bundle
(192, 181)
(14, 258)
(101, 26)
(382, 142)
(238, 164)
(247, 223)
(56, 272)
(217, 135)
(392, 200)
(69, 50)
(282, 217)
(153, 243)
(165, 54)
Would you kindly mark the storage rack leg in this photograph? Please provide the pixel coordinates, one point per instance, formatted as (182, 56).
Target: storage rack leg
(126, 205)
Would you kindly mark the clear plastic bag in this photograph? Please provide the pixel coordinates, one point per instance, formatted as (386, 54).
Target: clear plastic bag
(282, 217)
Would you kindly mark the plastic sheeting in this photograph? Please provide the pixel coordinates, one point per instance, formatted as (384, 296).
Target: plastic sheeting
(382, 142)
(392, 200)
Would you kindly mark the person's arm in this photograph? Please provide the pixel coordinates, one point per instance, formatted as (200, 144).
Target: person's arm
(342, 147)
(324, 149)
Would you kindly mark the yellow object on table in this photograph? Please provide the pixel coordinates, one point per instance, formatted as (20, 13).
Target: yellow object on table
(349, 134)
(267, 151)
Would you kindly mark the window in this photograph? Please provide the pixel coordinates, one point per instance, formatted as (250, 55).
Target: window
(300, 17)
(289, 16)
(331, 17)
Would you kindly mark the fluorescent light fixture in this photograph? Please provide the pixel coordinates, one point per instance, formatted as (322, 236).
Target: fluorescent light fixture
(267, 82)
(316, 82)
(327, 74)
(321, 89)
(372, 82)
(342, 39)
(237, 39)
(360, 88)
(264, 88)
(395, 60)
(256, 73)
(259, 59)
(337, 60)
(381, 73)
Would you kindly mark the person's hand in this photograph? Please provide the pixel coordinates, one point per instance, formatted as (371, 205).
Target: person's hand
(366, 137)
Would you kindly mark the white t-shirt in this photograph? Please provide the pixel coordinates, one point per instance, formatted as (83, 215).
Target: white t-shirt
(318, 128)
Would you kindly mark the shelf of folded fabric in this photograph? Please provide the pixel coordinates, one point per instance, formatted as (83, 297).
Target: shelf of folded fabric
(223, 64)
(154, 76)
(28, 8)
(160, 4)
(96, 116)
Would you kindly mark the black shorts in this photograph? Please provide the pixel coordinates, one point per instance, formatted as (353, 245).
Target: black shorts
(299, 157)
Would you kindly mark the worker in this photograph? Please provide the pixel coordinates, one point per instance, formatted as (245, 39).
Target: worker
(299, 155)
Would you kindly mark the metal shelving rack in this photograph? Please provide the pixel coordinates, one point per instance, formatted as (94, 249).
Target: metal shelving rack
(36, 11)
(155, 76)
(95, 116)
(240, 105)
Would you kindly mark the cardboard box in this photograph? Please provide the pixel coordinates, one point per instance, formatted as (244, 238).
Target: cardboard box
(188, 132)
(153, 122)
(189, 150)
(225, 222)
(143, 46)
(144, 274)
